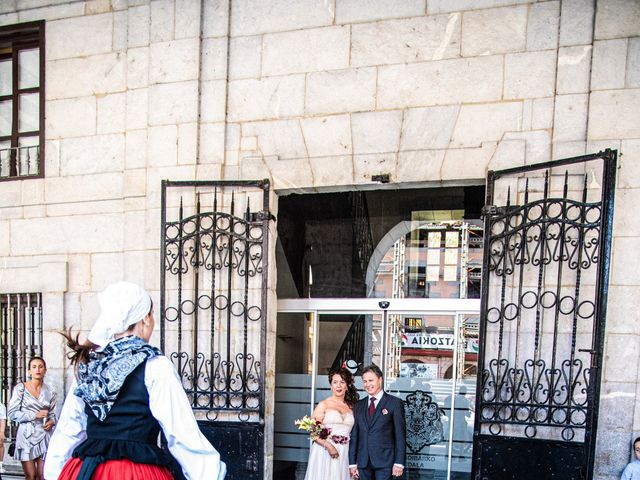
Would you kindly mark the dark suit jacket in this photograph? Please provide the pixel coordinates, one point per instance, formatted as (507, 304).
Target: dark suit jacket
(378, 440)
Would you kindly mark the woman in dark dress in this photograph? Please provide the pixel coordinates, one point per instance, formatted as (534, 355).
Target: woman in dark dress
(125, 393)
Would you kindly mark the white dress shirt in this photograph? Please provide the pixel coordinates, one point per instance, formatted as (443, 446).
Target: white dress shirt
(169, 406)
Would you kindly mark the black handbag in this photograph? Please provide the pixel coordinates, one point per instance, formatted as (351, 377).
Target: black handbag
(12, 446)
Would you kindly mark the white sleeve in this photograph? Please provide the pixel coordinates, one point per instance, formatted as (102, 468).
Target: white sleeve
(70, 431)
(170, 406)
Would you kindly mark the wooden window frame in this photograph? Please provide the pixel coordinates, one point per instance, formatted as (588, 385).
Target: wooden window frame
(19, 37)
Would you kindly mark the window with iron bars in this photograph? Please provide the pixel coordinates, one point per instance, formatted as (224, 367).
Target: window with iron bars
(20, 339)
(22, 101)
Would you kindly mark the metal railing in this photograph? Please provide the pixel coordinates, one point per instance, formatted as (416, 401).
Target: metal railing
(20, 161)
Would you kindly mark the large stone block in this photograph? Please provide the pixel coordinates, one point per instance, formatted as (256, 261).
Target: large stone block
(467, 163)
(576, 22)
(376, 132)
(187, 18)
(138, 31)
(79, 268)
(440, 83)
(245, 57)
(326, 136)
(187, 144)
(212, 100)
(105, 269)
(617, 19)
(508, 154)
(33, 192)
(172, 103)
(428, 128)
(77, 77)
(216, 15)
(120, 27)
(609, 61)
(409, 40)
(341, 91)
(521, 82)
(629, 168)
(251, 18)
(271, 97)
(310, 50)
(542, 113)
(98, 154)
(282, 138)
(75, 117)
(537, 144)
(446, 6)
(542, 27)
(492, 31)
(162, 146)
(54, 12)
(472, 129)
(79, 188)
(162, 21)
(211, 143)
(214, 59)
(112, 113)
(570, 120)
(137, 67)
(134, 183)
(624, 260)
(331, 171)
(620, 352)
(174, 61)
(633, 63)
(353, 11)
(70, 37)
(419, 166)
(365, 166)
(74, 234)
(625, 222)
(5, 238)
(574, 69)
(137, 108)
(613, 114)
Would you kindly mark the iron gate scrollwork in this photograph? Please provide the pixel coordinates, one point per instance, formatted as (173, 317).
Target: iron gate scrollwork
(544, 289)
(213, 302)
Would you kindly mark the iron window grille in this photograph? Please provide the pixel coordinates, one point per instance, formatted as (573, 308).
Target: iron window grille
(22, 101)
(20, 339)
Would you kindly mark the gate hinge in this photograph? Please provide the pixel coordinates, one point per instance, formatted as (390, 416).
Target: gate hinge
(260, 216)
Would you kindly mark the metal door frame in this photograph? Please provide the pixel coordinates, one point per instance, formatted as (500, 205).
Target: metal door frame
(609, 158)
(372, 306)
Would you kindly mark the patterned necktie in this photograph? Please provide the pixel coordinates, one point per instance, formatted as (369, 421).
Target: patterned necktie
(372, 406)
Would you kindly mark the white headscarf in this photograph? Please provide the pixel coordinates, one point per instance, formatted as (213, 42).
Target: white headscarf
(121, 305)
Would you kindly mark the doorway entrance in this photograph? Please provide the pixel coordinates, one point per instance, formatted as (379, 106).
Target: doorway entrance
(431, 365)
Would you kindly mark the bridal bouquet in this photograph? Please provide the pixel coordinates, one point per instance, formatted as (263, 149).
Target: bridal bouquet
(314, 427)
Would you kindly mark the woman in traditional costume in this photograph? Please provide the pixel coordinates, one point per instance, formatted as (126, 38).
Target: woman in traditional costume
(125, 393)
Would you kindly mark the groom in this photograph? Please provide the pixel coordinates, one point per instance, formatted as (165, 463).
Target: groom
(377, 445)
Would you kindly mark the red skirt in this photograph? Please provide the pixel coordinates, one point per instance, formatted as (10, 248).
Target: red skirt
(117, 470)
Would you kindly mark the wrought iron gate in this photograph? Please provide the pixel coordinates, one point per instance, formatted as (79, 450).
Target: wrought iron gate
(544, 293)
(213, 307)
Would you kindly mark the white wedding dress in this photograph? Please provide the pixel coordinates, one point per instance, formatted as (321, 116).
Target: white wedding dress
(321, 466)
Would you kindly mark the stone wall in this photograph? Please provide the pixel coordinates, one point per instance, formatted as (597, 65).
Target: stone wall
(317, 94)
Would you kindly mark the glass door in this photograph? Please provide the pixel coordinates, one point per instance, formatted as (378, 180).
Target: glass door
(427, 350)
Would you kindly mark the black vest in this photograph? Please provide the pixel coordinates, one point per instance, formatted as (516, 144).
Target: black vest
(130, 431)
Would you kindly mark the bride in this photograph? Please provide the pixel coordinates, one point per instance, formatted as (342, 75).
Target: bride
(329, 458)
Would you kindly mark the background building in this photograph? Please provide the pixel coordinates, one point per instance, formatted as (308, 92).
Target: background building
(100, 100)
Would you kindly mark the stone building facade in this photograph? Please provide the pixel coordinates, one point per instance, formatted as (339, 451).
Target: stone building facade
(316, 95)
